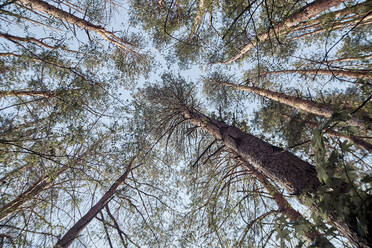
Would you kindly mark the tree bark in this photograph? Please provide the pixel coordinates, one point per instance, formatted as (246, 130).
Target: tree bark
(74, 20)
(303, 14)
(295, 102)
(74, 231)
(293, 174)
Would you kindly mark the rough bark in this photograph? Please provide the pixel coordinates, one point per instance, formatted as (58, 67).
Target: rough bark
(293, 174)
(74, 231)
(295, 102)
(342, 73)
(303, 14)
(41, 185)
(74, 20)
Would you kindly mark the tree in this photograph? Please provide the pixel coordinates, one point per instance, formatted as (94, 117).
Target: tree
(305, 105)
(293, 174)
(304, 13)
(74, 231)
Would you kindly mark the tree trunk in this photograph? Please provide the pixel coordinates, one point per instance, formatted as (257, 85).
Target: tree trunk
(353, 12)
(16, 93)
(39, 186)
(295, 102)
(74, 20)
(43, 93)
(342, 73)
(27, 39)
(74, 231)
(293, 174)
(303, 14)
(293, 215)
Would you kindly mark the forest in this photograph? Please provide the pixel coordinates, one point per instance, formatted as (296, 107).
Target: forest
(186, 123)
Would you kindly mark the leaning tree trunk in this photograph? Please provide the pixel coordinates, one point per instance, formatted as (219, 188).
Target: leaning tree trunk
(311, 234)
(303, 14)
(342, 73)
(55, 12)
(293, 174)
(298, 103)
(344, 16)
(74, 231)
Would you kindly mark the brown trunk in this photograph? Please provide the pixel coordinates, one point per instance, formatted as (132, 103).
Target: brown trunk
(39, 186)
(293, 215)
(342, 73)
(74, 20)
(27, 39)
(293, 174)
(42, 93)
(366, 57)
(295, 102)
(358, 21)
(303, 14)
(74, 231)
(16, 93)
(353, 12)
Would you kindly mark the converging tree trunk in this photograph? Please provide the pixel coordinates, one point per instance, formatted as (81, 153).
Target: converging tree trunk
(74, 20)
(43, 93)
(332, 72)
(293, 174)
(315, 108)
(303, 14)
(74, 231)
(311, 234)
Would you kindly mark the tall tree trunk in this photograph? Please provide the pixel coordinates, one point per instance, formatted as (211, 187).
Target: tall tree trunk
(303, 14)
(41, 185)
(74, 20)
(74, 231)
(42, 93)
(295, 102)
(353, 22)
(342, 73)
(354, 12)
(311, 234)
(15, 93)
(293, 174)
(25, 39)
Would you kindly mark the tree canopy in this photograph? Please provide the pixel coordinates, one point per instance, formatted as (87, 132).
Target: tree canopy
(177, 123)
